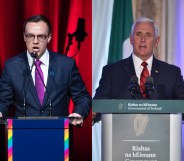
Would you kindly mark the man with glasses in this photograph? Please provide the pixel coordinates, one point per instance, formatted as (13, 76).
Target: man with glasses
(40, 82)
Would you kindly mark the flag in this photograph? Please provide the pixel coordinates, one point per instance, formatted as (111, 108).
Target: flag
(122, 20)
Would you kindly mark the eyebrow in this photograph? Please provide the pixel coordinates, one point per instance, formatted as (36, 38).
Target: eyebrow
(145, 33)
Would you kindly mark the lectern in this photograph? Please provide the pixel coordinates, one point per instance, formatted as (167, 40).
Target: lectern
(38, 139)
(145, 130)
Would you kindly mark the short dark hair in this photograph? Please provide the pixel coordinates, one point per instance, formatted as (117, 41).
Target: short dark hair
(38, 18)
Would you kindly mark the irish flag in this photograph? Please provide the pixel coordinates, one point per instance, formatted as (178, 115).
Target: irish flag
(122, 20)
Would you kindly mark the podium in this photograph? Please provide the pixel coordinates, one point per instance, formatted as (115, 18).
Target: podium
(134, 130)
(38, 139)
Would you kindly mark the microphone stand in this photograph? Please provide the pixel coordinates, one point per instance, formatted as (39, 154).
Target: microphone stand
(33, 55)
(79, 34)
(70, 38)
(134, 88)
(138, 96)
(149, 89)
(25, 90)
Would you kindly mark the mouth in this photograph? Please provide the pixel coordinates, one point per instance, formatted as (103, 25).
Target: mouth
(35, 48)
(142, 46)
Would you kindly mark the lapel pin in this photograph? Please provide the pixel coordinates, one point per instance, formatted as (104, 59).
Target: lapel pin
(156, 71)
(51, 73)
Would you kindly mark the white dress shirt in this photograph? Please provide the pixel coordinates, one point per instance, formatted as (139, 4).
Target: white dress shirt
(138, 67)
(44, 66)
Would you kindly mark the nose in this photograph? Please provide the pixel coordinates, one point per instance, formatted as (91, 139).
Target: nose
(35, 41)
(143, 38)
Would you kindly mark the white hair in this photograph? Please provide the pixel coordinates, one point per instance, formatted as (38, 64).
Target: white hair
(144, 19)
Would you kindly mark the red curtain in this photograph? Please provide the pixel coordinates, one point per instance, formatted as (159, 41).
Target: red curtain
(63, 15)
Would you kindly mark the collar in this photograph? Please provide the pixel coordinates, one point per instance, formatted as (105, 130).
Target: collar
(44, 59)
(137, 62)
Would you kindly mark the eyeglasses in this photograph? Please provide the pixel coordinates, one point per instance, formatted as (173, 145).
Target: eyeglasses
(31, 37)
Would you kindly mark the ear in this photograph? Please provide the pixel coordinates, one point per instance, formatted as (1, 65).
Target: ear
(24, 37)
(49, 38)
(157, 41)
(131, 40)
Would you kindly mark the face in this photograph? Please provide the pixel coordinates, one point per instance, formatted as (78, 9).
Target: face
(143, 40)
(37, 37)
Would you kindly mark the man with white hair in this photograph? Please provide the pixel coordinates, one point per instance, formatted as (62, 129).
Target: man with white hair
(119, 80)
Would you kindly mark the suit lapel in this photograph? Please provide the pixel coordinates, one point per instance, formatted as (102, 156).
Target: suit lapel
(50, 78)
(29, 85)
(155, 70)
(155, 74)
(129, 67)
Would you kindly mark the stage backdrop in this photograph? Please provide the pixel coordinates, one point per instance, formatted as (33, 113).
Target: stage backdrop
(63, 15)
(110, 38)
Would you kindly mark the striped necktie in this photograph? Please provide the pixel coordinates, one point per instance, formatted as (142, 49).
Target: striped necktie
(144, 75)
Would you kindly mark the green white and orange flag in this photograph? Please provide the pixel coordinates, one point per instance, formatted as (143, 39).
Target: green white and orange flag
(122, 20)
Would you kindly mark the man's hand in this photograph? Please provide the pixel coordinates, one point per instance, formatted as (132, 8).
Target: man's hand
(76, 119)
(1, 115)
(93, 115)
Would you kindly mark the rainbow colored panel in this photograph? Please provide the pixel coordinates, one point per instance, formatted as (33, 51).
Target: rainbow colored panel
(10, 140)
(66, 140)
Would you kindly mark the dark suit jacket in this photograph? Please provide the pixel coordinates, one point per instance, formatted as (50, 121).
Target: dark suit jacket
(115, 81)
(64, 82)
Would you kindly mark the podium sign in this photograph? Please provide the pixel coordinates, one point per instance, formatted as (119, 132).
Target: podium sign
(137, 106)
(38, 139)
(140, 130)
(138, 137)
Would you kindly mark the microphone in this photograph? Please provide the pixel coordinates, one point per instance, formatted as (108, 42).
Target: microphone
(46, 90)
(149, 86)
(27, 73)
(134, 88)
(80, 32)
(34, 56)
